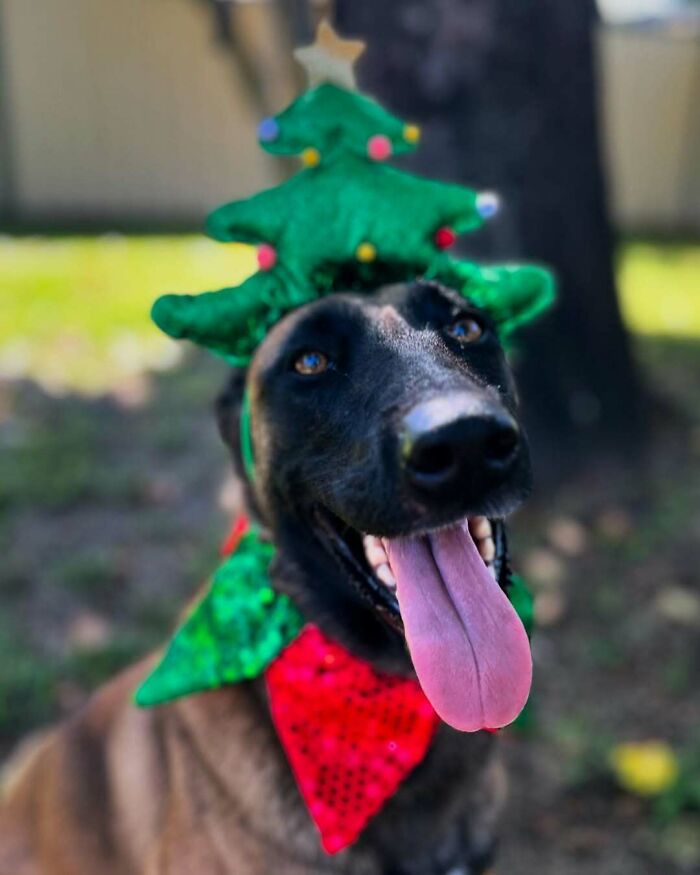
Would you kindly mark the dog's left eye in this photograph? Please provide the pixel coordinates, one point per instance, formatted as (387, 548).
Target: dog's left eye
(467, 329)
(311, 363)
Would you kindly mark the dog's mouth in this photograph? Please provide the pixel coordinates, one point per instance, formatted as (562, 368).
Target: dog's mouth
(365, 560)
(489, 538)
(445, 591)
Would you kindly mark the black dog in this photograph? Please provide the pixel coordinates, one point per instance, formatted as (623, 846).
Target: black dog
(384, 433)
(390, 414)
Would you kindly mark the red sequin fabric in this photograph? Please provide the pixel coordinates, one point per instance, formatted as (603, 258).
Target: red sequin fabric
(351, 734)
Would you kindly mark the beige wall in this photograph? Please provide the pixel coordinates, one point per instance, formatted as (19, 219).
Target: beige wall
(651, 114)
(125, 108)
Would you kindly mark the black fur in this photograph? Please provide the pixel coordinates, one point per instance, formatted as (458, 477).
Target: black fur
(335, 443)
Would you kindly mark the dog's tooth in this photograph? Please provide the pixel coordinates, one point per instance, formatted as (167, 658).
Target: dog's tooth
(487, 549)
(480, 527)
(385, 574)
(374, 550)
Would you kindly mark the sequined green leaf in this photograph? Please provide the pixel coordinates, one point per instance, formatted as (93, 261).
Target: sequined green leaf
(231, 635)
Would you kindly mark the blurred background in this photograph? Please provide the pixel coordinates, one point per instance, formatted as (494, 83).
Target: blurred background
(123, 124)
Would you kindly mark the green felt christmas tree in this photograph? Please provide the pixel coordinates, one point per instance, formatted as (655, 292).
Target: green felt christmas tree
(347, 220)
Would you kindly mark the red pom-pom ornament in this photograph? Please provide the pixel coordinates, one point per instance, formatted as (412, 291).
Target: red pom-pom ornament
(379, 147)
(445, 237)
(267, 256)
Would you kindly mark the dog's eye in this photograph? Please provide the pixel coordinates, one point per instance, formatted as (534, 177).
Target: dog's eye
(465, 330)
(311, 363)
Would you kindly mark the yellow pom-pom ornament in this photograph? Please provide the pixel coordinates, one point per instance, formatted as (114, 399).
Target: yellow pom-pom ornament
(311, 157)
(366, 252)
(411, 133)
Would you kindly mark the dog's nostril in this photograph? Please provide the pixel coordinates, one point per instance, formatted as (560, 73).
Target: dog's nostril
(432, 460)
(501, 445)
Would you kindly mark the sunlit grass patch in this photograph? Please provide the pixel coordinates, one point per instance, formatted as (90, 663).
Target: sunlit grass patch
(75, 310)
(660, 288)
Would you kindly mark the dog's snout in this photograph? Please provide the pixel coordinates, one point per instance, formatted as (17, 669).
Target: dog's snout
(455, 441)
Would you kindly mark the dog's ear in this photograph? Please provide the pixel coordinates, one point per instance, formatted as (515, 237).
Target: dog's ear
(229, 407)
(228, 415)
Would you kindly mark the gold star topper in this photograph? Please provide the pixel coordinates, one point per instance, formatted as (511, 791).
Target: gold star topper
(330, 58)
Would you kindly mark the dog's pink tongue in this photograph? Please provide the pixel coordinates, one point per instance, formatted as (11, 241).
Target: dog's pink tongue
(468, 646)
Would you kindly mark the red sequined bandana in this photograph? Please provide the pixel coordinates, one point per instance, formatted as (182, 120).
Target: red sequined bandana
(351, 734)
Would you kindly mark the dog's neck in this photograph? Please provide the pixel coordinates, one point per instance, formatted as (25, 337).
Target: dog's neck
(313, 579)
(418, 831)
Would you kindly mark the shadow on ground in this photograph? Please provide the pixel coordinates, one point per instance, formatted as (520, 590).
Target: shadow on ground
(110, 517)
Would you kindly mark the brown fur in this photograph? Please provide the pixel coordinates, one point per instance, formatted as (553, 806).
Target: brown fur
(201, 787)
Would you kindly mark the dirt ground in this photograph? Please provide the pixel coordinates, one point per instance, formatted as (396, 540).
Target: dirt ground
(111, 511)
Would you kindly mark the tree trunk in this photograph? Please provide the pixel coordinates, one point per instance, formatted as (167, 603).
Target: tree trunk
(505, 91)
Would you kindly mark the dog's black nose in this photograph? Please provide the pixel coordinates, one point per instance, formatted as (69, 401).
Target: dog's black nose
(457, 441)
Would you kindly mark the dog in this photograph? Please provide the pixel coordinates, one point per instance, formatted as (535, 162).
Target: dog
(375, 418)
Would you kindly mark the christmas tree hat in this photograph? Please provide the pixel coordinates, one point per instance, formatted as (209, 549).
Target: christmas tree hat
(347, 220)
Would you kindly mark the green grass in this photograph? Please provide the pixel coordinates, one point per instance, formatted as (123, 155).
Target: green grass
(57, 465)
(75, 310)
(660, 288)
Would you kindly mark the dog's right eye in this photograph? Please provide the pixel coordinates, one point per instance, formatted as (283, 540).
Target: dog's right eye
(311, 363)
(465, 330)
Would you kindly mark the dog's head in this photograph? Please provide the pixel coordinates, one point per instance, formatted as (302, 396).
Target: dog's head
(387, 451)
